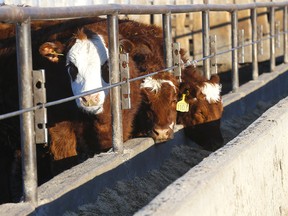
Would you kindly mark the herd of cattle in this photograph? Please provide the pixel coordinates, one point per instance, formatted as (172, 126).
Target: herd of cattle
(74, 54)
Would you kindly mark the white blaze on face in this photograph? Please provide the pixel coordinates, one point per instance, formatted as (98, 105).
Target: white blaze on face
(155, 84)
(88, 55)
(212, 92)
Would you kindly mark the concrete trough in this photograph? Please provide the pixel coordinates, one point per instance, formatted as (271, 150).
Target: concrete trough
(248, 173)
(248, 176)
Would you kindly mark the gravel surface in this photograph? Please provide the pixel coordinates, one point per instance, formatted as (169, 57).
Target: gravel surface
(129, 196)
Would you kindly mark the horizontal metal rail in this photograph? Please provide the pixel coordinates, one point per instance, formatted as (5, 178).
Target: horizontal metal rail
(18, 14)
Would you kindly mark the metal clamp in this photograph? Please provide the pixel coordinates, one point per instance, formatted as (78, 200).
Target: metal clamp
(125, 76)
(40, 119)
(177, 60)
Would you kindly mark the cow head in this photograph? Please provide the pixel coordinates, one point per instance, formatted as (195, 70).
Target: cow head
(160, 97)
(202, 121)
(157, 115)
(87, 66)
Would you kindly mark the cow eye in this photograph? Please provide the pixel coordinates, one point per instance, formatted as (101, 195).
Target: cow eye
(105, 72)
(72, 70)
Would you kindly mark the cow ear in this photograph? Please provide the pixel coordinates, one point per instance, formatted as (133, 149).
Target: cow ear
(215, 79)
(52, 51)
(125, 46)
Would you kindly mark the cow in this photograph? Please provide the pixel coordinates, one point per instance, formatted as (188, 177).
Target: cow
(157, 115)
(202, 119)
(87, 63)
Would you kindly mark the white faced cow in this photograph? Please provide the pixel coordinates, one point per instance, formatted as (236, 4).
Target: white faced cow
(87, 63)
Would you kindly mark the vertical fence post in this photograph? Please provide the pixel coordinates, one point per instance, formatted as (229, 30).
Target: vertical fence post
(255, 72)
(234, 39)
(205, 41)
(272, 39)
(28, 147)
(115, 96)
(285, 29)
(166, 22)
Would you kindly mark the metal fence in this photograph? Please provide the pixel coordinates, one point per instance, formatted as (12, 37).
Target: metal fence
(22, 16)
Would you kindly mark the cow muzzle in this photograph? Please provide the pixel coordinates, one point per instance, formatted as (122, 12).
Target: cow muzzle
(90, 100)
(162, 135)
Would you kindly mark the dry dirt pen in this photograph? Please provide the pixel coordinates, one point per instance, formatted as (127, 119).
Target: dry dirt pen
(248, 176)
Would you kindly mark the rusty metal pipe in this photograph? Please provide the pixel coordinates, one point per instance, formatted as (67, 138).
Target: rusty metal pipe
(205, 42)
(255, 72)
(166, 20)
(115, 96)
(234, 39)
(272, 39)
(28, 147)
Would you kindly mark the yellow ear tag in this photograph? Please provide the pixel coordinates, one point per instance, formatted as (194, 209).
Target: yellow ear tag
(182, 106)
(55, 53)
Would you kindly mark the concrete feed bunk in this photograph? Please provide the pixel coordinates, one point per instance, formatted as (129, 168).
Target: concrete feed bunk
(248, 176)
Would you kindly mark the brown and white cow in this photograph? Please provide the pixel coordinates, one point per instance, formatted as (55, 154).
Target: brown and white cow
(87, 63)
(202, 120)
(157, 115)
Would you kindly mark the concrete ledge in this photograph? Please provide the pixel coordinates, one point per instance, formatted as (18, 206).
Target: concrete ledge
(248, 176)
(16, 209)
(268, 87)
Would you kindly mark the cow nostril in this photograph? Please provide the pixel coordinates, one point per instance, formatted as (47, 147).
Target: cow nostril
(90, 100)
(155, 132)
(84, 101)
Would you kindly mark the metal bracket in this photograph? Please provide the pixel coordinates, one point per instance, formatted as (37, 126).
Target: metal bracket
(40, 119)
(241, 53)
(213, 52)
(177, 60)
(259, 39)
(125, 76)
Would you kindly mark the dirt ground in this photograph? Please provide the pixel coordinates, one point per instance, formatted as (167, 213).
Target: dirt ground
(127, 197)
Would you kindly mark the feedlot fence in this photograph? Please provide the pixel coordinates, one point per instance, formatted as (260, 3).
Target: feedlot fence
(22, 17)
